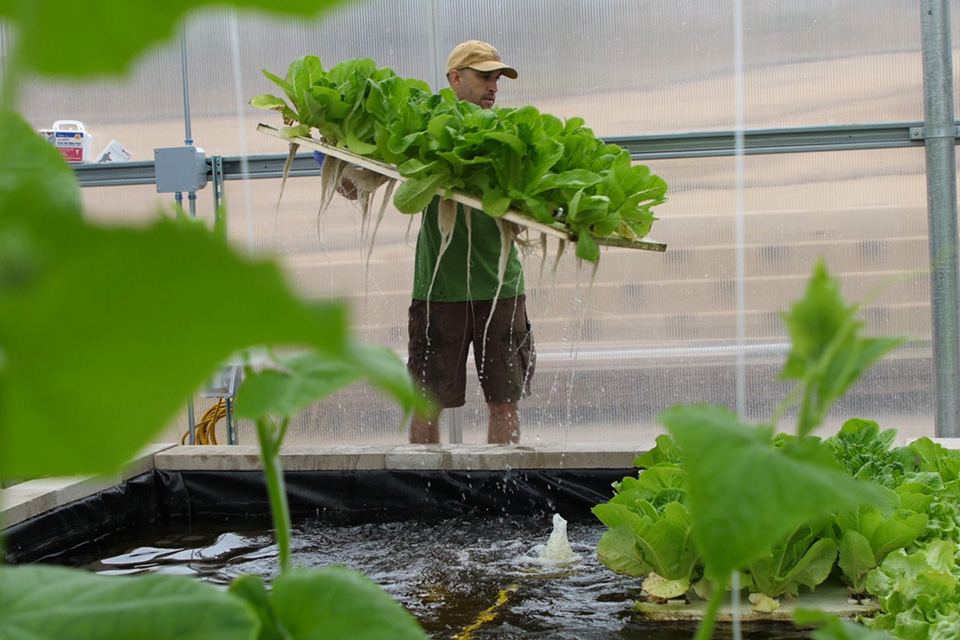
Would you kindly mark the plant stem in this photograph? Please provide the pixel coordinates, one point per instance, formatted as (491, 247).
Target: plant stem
(276, 488)
(705, 630)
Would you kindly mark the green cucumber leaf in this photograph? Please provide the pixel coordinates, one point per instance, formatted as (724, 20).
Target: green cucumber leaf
(275, 393)
(828, 354)
(251, 589)
(336, 602)
(100, 324)
(121, 24)
(57, 603)
(33, 173)
(830, 627)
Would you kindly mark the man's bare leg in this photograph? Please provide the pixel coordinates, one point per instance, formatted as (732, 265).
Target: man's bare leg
(424, 430)
(504, 423)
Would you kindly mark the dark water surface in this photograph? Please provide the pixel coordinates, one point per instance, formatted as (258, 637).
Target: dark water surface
(446, 572)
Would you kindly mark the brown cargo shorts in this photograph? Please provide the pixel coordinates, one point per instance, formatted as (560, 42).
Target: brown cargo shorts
(503, 352)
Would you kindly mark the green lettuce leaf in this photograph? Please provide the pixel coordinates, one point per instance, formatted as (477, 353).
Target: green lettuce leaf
(744, 494)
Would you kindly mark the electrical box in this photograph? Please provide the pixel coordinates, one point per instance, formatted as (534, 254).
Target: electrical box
(180, 169)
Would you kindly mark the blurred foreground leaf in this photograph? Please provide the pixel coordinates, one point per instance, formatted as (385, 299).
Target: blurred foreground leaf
(829, 355)
(830, 627)
(312, 375)
(121, 29)
(333, 602)
(56, 603)
(106, 331)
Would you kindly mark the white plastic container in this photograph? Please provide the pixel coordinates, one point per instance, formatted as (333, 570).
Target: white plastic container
(72, 139)
(113, 152)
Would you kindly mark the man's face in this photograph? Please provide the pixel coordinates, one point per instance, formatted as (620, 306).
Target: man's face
(478, 87)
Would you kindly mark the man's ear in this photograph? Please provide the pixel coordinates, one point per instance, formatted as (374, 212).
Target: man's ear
(454, 79)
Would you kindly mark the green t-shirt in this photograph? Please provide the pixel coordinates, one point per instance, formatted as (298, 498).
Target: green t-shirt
(450, 284)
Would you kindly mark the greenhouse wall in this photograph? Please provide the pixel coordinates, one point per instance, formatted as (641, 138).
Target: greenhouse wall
(648, 330)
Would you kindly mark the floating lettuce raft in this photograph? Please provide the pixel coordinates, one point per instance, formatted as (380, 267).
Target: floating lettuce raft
(518, 164)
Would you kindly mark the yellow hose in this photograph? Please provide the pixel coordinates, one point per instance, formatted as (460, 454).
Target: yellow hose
(488, 614)
(205, 431)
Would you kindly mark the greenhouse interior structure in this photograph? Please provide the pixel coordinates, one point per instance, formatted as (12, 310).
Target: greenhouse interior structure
(789, 133)
(830, 99)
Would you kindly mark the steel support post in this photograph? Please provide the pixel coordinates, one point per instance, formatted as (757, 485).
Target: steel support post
(941, 160)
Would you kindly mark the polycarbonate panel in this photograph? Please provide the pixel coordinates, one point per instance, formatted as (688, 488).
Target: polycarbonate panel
(662, 329)
(652, 329)
(626, 67)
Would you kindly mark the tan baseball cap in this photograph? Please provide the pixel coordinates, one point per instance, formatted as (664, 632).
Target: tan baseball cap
(480, 56)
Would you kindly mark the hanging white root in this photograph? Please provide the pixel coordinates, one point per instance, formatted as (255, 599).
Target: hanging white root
(360, 184)
(543, 255)
(369, 242)
(446, 220)
(406, 237)
(286, 170)
(506, 241)
(548, 292)
(556, 261)
(330, 173)
(468, 219)
(387, 198)
(583, 304)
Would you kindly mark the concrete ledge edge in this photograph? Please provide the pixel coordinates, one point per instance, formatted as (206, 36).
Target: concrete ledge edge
(31, 498)
(34, 497)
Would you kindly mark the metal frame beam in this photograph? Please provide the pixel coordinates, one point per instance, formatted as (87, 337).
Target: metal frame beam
(642, 148)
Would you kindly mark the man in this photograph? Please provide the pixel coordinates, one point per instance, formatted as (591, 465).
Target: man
(460, 297)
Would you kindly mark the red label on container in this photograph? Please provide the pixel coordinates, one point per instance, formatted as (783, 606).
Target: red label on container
(72, 154)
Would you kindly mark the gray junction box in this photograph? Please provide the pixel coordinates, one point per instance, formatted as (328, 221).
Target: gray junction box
(180, 169)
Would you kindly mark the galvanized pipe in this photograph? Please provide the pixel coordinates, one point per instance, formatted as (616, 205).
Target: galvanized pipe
(940, 140)
(185, 81)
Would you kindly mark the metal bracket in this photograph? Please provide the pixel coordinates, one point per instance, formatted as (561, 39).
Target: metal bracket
(920, 133)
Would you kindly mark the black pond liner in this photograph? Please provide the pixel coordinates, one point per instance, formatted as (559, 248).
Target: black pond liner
(224, 501)
(341, 497)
